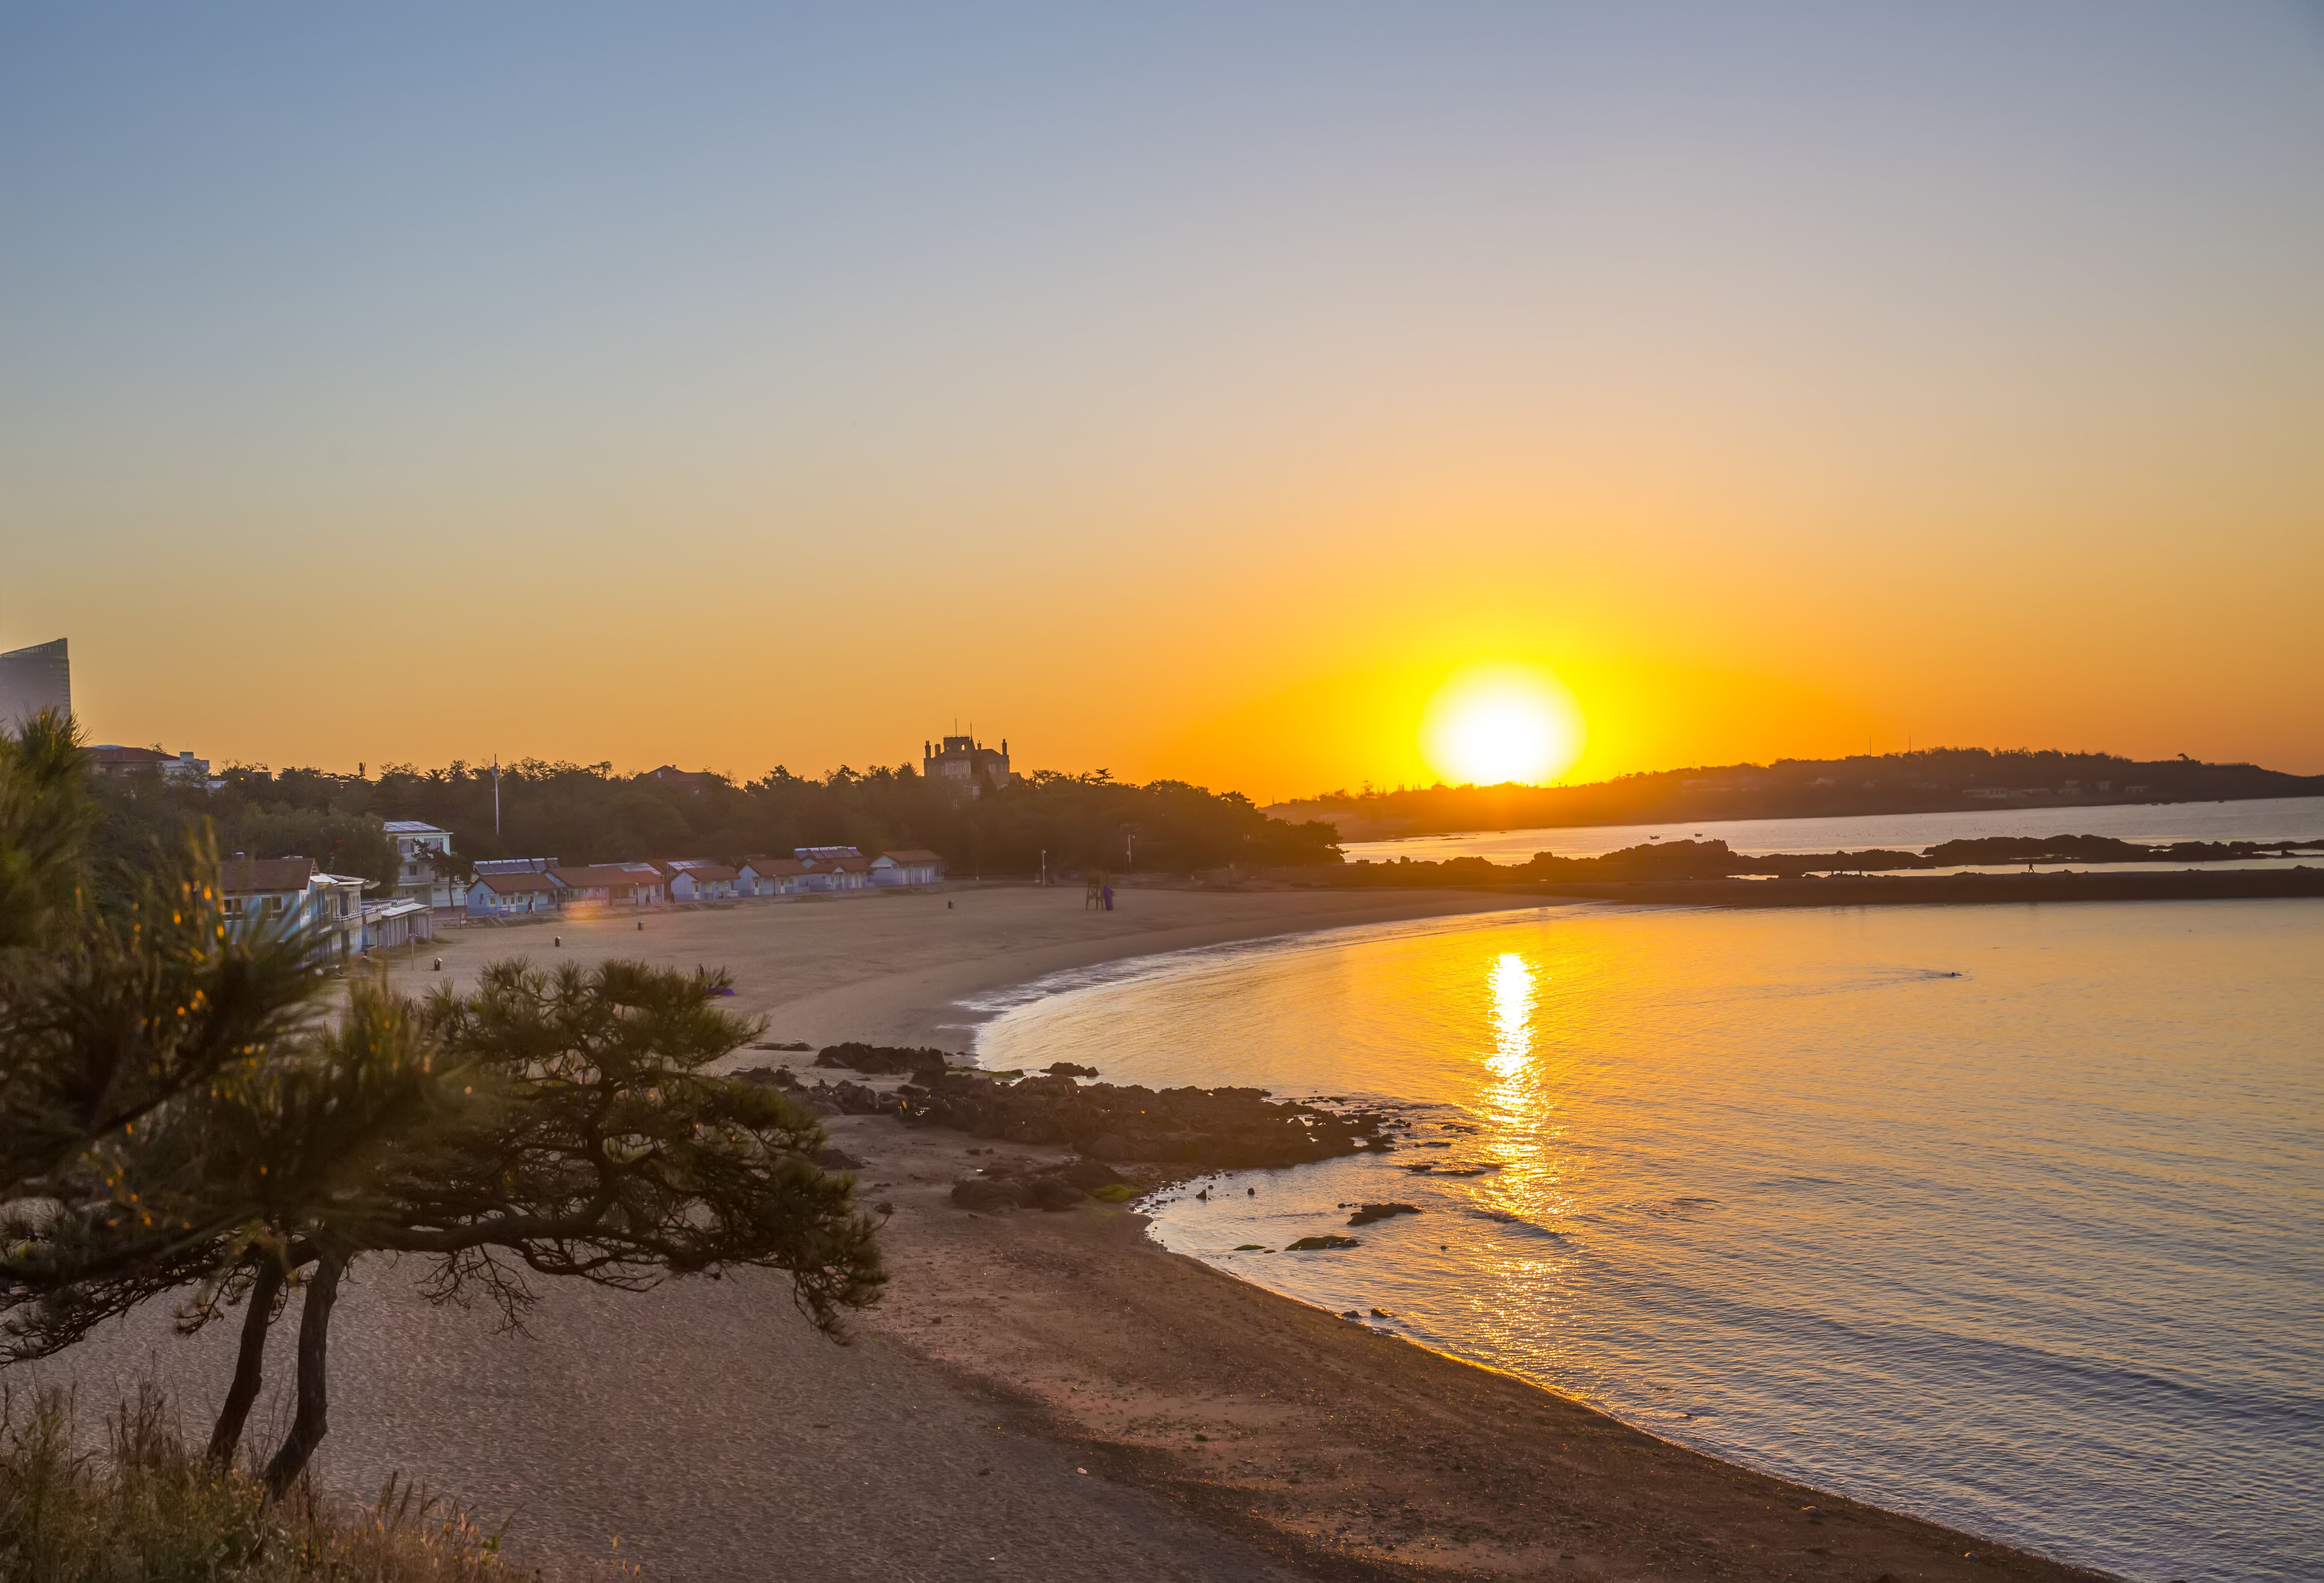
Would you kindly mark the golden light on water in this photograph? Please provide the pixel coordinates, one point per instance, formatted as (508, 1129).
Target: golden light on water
(1513, 1004)
(1502, 722)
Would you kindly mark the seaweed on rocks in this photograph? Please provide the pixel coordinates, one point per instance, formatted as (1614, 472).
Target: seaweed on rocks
(1218, 1128)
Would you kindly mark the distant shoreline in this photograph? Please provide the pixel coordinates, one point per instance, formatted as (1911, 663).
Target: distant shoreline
(1942, 781)
(1924, 890)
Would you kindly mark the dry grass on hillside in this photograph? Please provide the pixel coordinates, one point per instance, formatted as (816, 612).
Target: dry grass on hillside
(146, 1510)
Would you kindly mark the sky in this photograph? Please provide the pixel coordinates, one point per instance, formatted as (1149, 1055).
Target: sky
(1187, 390)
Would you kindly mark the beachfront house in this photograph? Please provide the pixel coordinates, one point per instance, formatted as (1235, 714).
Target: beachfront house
(291, 893)
(423, 863)
(523, 894)
(697, 879)
(109, 758)
(852, 872)
(770, 876)
(913, 866)
(402, 922)
(610, 884)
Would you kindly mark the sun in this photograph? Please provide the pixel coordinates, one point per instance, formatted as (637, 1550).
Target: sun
(1502, 722)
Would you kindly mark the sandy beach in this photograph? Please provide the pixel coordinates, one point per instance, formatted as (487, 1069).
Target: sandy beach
(1040, 1395)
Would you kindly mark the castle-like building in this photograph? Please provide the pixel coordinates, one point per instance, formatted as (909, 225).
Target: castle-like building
(966, 767)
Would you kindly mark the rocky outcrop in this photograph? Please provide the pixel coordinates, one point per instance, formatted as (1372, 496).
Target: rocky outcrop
(1058, 1186)
(1366, 1213)
(885, 1059)
(1215, 1128)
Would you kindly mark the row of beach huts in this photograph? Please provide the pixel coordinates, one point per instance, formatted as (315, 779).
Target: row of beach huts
(346, 921)
(518, 887)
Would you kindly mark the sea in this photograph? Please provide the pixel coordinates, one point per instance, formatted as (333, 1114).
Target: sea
(2009, 1216)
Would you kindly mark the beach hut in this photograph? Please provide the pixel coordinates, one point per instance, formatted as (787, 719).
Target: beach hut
(770, 876)
(511, 896)
(913, 866)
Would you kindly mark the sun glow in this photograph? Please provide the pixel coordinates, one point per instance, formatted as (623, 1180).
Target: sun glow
(1505, 722)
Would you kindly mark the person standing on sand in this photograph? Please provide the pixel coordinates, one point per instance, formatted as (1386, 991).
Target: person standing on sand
(1109, 896)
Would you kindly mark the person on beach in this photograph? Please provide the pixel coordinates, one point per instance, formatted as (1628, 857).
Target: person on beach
(1108, 897)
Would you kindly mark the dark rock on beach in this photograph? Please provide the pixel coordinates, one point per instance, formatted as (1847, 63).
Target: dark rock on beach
(1217, 1128)
(1308, 1245)
(886, 1059)
(1366, 1213)
(1065, 1069)
(1056, 1186)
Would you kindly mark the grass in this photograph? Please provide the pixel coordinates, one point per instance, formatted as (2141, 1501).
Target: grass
(145, 1510)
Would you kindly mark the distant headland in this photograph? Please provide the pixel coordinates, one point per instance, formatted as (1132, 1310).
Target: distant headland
(1940, 780)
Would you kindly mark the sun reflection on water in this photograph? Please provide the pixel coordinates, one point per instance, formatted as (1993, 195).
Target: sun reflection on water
(1513, 1004)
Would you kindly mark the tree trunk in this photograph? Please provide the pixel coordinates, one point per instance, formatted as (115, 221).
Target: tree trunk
(249, 1363)
(311, 1421)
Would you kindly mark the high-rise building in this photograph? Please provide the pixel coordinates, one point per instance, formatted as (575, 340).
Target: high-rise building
(35, 679)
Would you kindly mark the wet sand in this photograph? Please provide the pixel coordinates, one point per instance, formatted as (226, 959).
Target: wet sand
(1041, 1395)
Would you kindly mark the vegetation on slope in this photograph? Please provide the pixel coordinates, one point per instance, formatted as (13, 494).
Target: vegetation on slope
(145, 1510)
(180, 1119)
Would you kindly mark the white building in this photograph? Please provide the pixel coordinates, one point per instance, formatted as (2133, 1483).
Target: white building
(291, 894)
(423, 863)
(521, 894)
(697, 879)
(770, 876)
(401, 922)
(851, 872)
(610, 884)
(913, 866)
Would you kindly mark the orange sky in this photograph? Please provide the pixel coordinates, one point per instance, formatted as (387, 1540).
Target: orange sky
(1187, 395)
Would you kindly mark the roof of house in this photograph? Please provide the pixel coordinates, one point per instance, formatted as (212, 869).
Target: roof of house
(603, 875)
(110, 755)
(413, 827)
(912, 855)
(702, 871)
(769, 867)
(242, 876)
(844, 864)
(512, 884)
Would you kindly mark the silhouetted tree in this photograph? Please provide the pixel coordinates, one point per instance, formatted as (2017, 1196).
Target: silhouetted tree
(177, 1119)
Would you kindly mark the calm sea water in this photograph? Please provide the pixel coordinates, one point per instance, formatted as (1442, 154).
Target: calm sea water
(2272, 819)
(2013, 1217)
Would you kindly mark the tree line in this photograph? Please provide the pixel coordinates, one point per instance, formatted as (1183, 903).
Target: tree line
(188, 1115)
(587, 813)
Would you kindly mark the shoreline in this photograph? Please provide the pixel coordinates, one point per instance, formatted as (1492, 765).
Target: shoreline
(1323, 1442)
(1221, 1413)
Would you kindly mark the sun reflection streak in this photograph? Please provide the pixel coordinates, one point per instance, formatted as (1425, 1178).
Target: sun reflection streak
(1517, 1101)
(1513, 1004)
